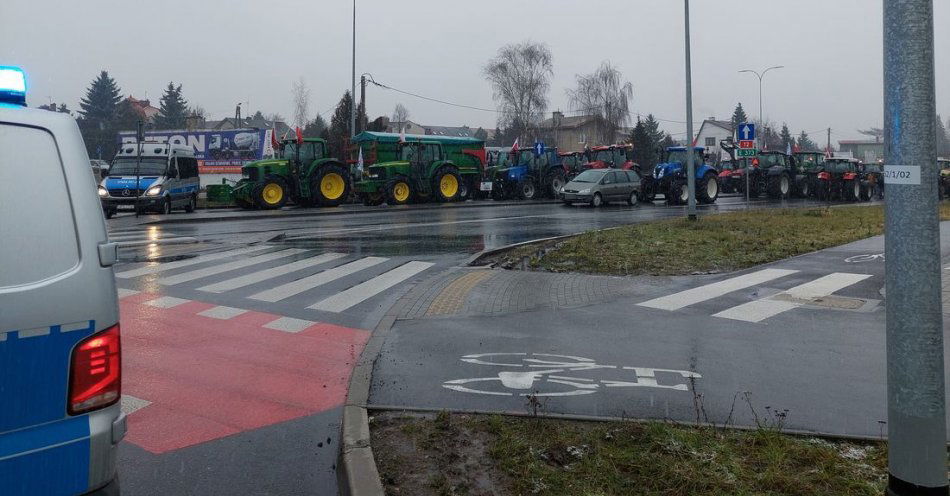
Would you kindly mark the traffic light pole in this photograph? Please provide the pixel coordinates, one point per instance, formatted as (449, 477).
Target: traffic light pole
(916, 411)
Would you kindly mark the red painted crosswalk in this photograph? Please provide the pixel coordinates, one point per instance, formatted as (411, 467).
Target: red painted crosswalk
(207, 377)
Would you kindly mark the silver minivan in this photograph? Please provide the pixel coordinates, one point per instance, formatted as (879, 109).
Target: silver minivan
(158, 177)
(60, 359)
(601, 186)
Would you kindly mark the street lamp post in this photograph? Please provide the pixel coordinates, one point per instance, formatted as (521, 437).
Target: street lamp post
(761, 119)
(353, 80)
(690, 150)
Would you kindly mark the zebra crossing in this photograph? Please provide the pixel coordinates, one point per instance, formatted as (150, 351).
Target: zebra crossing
(760, 309)
(327, 282)
(130, 238)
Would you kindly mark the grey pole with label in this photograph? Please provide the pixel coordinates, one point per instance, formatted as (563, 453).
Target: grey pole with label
(916, 412)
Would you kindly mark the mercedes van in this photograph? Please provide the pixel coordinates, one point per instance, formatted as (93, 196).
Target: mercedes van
(60, 357)
(151, 176)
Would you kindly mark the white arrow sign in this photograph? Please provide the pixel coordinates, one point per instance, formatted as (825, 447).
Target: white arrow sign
(746, 131)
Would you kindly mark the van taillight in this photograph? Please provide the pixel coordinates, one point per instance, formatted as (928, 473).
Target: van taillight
(95, 374)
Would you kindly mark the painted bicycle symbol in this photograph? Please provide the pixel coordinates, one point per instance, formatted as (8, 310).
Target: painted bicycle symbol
(865, 258)
(543, 374)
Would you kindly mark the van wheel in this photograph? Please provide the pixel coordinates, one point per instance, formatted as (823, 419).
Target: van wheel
(166, 207)
(109, 213)
(192, 204)
(634, 199)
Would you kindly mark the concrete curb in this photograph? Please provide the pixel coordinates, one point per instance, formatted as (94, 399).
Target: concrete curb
(357, 474)
(476, 258)
(317, 212)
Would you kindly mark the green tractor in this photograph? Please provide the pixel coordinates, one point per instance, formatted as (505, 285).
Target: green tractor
(440, 169)
(301, 172)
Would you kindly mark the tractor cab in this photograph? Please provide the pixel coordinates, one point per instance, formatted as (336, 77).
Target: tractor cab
(612, 157)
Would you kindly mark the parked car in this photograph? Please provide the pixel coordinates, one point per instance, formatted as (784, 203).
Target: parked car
(601, 186)
(60, 356)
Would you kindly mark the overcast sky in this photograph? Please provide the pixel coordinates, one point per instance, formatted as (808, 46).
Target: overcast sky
(223, 52)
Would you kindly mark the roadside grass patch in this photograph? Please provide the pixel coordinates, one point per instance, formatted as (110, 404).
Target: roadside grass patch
(716, 243)
(523, 455)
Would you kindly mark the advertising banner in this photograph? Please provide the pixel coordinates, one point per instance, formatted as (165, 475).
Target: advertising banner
(218, 152)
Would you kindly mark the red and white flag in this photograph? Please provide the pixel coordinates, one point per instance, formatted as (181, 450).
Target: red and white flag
(514, 146)
(273, 140)
(299, 136)
(402, 134)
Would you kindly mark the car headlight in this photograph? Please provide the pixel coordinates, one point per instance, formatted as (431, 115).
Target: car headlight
(660, 173)
(584, 191)
(103, 191)
(153, 191)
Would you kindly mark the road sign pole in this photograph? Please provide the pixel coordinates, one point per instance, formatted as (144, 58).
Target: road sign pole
(916, 412)
(690, 150)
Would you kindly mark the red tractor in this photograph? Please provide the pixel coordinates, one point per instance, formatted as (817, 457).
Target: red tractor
(612, 156)
(841, 179)
(573, 162)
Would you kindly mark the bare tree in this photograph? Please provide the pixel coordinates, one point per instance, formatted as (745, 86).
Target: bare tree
(520, 76)
(301, 100)
(874, 132)
(400, 115)
(605, 95)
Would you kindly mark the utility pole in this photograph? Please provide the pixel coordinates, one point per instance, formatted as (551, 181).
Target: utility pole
(916, 411)
(690, 150)
(362, 94)
(828, 148)
(353, 80)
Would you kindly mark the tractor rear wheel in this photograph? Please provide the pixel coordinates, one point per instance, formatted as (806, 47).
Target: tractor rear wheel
(555, 180)
(778, 186)
(852, 190)
(398, 191)
(527, 189)
(679, 193)
(707, 189)
(330, 186)
(447, 184)
(271, 194)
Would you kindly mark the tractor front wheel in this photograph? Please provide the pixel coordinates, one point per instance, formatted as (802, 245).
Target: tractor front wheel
(647, 190)
(779, 186)
(330, 186)
(398, 191)
(555, 181)
(448, 184)
(527, 189)
(271, 194)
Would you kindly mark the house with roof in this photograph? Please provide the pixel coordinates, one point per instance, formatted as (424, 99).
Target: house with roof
(869, 151)
(143, 108)
(570, 133)
(711, 132)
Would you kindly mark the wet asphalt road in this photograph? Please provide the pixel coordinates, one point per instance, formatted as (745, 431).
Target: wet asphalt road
(298, 456)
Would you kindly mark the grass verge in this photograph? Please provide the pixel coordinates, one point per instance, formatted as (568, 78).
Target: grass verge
(472, 455)
(716, 243)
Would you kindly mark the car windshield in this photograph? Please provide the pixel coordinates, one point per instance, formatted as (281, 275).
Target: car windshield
(604, 156)
(150, 166)
(589, 176)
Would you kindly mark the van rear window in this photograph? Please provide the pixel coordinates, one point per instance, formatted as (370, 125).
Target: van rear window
(37, 230)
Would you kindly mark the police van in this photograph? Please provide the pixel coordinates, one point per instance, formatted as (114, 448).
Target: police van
(151, 176)
(60, 359)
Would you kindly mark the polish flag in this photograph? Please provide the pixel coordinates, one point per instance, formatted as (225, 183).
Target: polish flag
(299, 136)
(273, 140)
(514, 147)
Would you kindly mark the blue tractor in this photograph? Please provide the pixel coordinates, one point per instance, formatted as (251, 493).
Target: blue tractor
(669, 178)
(529, 176)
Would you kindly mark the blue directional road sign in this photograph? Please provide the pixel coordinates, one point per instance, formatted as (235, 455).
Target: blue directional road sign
(539, 148)
(746, 132)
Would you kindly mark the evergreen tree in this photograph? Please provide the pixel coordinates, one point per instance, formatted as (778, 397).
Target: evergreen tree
(339, 131)
(315, 128)
(173, 110)
(496, 139)
(644, 146)
(738, 117)
(126, 117)
(805, 143)
(98, 107)
(481, 134)
(786, 136)
(653, 129)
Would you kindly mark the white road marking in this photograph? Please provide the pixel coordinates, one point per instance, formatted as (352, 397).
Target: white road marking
(263, 275)
(289, 324)
(222, 312)
(759, 310)
(160, 267)
(191, 275)
(123, 293)
(166, 302)
(362, 292)
(130, 404)
(299, 286)
(706, 292)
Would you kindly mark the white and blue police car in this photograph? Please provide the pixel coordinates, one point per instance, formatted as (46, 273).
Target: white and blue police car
(60, 359)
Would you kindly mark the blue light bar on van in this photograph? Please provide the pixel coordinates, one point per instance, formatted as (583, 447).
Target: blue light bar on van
(12, 85)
